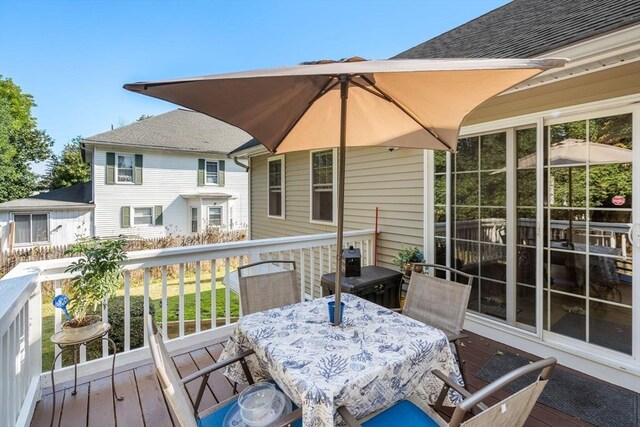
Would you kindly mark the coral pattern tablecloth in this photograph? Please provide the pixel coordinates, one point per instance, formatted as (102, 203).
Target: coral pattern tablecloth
(374, 358)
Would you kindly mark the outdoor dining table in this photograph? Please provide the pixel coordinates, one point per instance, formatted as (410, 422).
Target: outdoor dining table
(373, 359)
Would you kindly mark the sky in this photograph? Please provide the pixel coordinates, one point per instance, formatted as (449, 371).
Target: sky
(74, 56)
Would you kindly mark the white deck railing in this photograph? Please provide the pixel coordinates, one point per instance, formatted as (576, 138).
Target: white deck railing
(21, 373)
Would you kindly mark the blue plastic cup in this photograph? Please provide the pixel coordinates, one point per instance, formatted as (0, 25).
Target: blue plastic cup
(332, 311)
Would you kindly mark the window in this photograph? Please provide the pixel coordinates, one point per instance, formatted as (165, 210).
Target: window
(124, 167)
(31, 228)
(215, 216)
(211, 171)
(322, 188)
(276, 186)
(142, 216)
(194, 220)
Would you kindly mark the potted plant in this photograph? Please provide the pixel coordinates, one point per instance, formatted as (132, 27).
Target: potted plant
(406, 258)
(99, 276)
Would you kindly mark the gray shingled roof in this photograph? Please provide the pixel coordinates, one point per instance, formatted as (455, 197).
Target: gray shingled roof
(75, 196)
(177, 130)
(526, 28)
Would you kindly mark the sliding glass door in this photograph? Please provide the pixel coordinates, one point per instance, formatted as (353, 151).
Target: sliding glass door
(549, 254)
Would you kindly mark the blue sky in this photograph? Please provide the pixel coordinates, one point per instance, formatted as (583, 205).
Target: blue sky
(74, 56)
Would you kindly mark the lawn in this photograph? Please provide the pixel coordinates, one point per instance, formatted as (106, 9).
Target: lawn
(155, 295)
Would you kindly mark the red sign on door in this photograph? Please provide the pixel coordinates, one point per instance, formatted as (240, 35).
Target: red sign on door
(618, 200)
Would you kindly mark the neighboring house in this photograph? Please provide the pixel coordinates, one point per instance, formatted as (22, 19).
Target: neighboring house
(546, 242)
(56, 217)
(166, 175)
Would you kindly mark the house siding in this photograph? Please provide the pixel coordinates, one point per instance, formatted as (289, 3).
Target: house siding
(166, 175)
(375, 177)
(65, 226)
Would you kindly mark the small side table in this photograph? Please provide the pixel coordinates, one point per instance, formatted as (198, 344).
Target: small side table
(66, 342)
(376, 284)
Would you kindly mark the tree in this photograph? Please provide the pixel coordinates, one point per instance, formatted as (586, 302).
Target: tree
(21, 142)
(67, 168)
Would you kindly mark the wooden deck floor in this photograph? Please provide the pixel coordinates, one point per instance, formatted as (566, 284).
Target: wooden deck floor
(144, 404)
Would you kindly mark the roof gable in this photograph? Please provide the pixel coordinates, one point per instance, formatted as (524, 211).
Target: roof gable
(526, 28)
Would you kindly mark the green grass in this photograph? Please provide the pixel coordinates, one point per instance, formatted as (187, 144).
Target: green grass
(155, 295)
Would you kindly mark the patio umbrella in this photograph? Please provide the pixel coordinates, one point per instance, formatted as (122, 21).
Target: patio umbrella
(353, 102)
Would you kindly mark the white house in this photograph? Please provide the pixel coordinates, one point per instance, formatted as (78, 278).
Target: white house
(52, 218)
(553, 244)
(166, 175)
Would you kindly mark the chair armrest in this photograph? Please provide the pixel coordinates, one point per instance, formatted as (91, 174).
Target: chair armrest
(221, 364)
(397, 310)
(456, 337)
(348, 418)
(448, 383)
(287, 420)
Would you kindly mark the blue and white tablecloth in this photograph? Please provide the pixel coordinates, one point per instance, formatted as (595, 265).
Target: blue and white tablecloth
(375, 358)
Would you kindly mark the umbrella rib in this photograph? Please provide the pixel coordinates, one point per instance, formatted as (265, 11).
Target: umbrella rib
(404, 110)
(326, 88)
(378, 94)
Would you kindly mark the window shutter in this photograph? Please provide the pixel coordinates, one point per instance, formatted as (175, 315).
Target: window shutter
(137, 174)
(111, 168)
(158, 215)
(200, 172)
(220, 173)
(125, 217)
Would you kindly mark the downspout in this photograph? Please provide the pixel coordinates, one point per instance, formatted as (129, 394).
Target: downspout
(242, 165)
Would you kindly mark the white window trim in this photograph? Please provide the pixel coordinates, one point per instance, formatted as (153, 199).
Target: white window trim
(31, 242)
(334, 187)
(222, 216)
(282, 189)
(217, 162)
(133, 169)
(132, 216)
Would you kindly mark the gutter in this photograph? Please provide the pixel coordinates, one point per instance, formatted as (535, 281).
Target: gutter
(237, 162)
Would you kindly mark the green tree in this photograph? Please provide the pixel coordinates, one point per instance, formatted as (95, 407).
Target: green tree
(21, 142)
(67, 168)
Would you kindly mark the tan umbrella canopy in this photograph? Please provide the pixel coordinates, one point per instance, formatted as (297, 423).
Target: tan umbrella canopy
(410, 103)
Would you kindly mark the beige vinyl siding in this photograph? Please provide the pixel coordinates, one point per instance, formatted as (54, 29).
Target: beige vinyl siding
(392, 181)
(609, 83)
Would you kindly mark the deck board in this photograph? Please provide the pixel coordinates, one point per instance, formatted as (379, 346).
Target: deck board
(144, 404)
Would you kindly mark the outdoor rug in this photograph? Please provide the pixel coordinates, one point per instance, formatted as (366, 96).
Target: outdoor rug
(591, 400)
(607, 334)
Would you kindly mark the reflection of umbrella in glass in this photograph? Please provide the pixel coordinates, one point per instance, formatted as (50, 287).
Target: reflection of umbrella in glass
(395, 103)
(576, 152)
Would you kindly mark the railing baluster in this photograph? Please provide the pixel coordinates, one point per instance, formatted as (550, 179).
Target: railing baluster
(57, 321)
(181, 299)
(303, 276)
(165, 289)
(146, 303)
(227, 295)
(198, 316)
(312, 271)
(105, 318)
(214, 296)
(12, 369)
(321, 251)
(127, 311)
(4, 385)
(330, 258)
(240, 264)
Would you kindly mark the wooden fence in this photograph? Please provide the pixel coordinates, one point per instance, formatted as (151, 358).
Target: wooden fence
(9, 259)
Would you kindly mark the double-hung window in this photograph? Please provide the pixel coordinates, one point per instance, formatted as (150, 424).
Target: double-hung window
(142, 216)
(322, 185)
(124, 168)
(275, 177)
(215, 215)
(211, 171)
(31, 228)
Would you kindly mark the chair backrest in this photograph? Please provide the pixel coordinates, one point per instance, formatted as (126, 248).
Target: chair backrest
(512, 411)
(438, 302)
(262, 288)
(172, 387)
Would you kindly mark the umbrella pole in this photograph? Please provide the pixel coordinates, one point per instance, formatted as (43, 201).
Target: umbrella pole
(344, 94)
